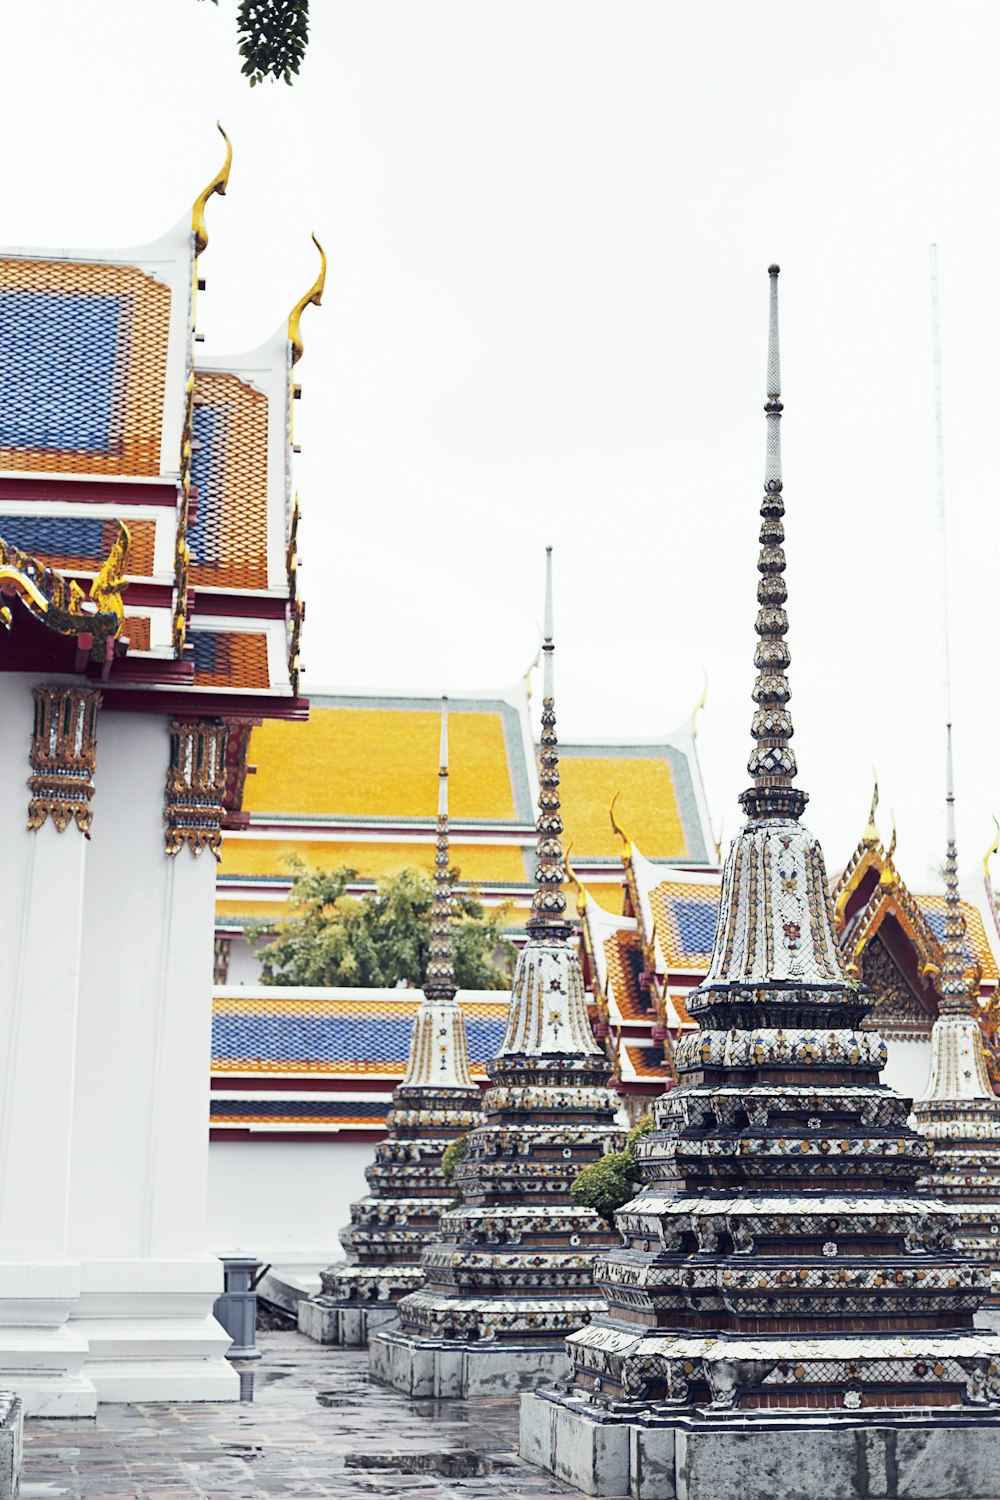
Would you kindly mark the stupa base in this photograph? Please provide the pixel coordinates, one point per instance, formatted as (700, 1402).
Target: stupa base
(349, 1324)
(451, 1369)
(827, 1457)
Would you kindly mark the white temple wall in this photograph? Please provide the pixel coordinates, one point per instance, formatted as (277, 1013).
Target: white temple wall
(140, 1133)
(272, 1198)
(41, 903)
(142, 1097)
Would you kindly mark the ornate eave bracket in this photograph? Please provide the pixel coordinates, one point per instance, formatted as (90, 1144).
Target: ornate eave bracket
(63, 756)
(194, 804)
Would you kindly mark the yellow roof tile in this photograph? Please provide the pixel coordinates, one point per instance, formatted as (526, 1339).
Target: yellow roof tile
(381, 762)
(647, 806)
(476, 863)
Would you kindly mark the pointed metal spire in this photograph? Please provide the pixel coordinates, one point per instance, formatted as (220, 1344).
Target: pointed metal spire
(952, 984)
(440, 982)
(772, 762)
(548, 906)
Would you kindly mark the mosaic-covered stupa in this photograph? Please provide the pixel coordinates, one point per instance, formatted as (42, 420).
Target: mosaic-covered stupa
(787, 1313)
(513, 1270)
(959, 1111)
(436, 1103)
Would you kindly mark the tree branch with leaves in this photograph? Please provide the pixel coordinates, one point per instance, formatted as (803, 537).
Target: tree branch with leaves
(272, 36)
(383, 937)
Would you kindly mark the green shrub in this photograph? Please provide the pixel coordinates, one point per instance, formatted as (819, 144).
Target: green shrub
(643, 1126)
(453, 1154)
(609, 1183)
(606, 1184)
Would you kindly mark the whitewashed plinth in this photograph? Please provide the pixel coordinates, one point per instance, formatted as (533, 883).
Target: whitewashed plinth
(41, 1355)
(11, 1442)
(846, 1457)
(150, 1333)
(445, 1368)
(348, 1324)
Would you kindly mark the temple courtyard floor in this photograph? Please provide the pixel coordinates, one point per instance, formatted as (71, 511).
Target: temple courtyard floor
(317, 1427)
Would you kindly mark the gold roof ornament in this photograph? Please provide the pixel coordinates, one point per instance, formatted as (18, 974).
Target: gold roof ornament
(313, 296)
(109, 584)
(574, 880)
(218, 184)
(871, 834)
(700, 704)
(991, 851)
(617, 828)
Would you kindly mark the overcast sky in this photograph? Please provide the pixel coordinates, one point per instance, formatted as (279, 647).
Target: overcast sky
(548, 226)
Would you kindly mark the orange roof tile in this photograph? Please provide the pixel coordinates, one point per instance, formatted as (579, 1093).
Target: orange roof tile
(621, 951)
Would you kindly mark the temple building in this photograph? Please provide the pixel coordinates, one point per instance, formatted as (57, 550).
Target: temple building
(346, 791)
(513, 1269)
(643, 958)
(785, 1298)
(436, 1103)
(149, 618)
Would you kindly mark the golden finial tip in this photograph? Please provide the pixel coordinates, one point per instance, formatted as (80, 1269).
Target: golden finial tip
(218, 184)
(993, 847)
(314, 296)
(870, 835)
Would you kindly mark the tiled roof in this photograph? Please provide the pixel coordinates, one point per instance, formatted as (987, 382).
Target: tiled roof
(137, 629)
(84, 367)
(80, 542)
(623, 956)
(234, 658)
(377, 757)
(477, 864)
(228, 538)
(685, 917)
(977, 945)
(660, 805)
(341, 1036)
(279, 1111)
(678, 1002)
(645, 1061)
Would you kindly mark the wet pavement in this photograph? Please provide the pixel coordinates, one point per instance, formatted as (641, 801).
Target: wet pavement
(316, 1428)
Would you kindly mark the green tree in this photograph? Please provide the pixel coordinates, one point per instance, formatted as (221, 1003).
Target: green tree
(383, 937)
(271, 37)
(608, 1183)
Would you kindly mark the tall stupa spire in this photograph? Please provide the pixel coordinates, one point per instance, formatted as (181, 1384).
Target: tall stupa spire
(772, 761)
(440, 981)
(548, 906)
(954, 986)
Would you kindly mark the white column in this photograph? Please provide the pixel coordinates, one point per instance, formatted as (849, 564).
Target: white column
(138, 1209)
(42, 882)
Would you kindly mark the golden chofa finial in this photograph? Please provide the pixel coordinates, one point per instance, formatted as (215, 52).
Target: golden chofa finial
(314, 296)
(892, 839)
(991, 850)
(700, 704)
(218, 184)
(574, 880)
(870, 835)
(616, 828)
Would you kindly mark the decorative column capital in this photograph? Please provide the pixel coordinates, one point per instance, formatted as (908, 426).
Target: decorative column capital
(63, 756)
(196, 785)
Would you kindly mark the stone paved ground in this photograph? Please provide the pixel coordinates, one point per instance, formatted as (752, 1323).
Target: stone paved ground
(316, 1429)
